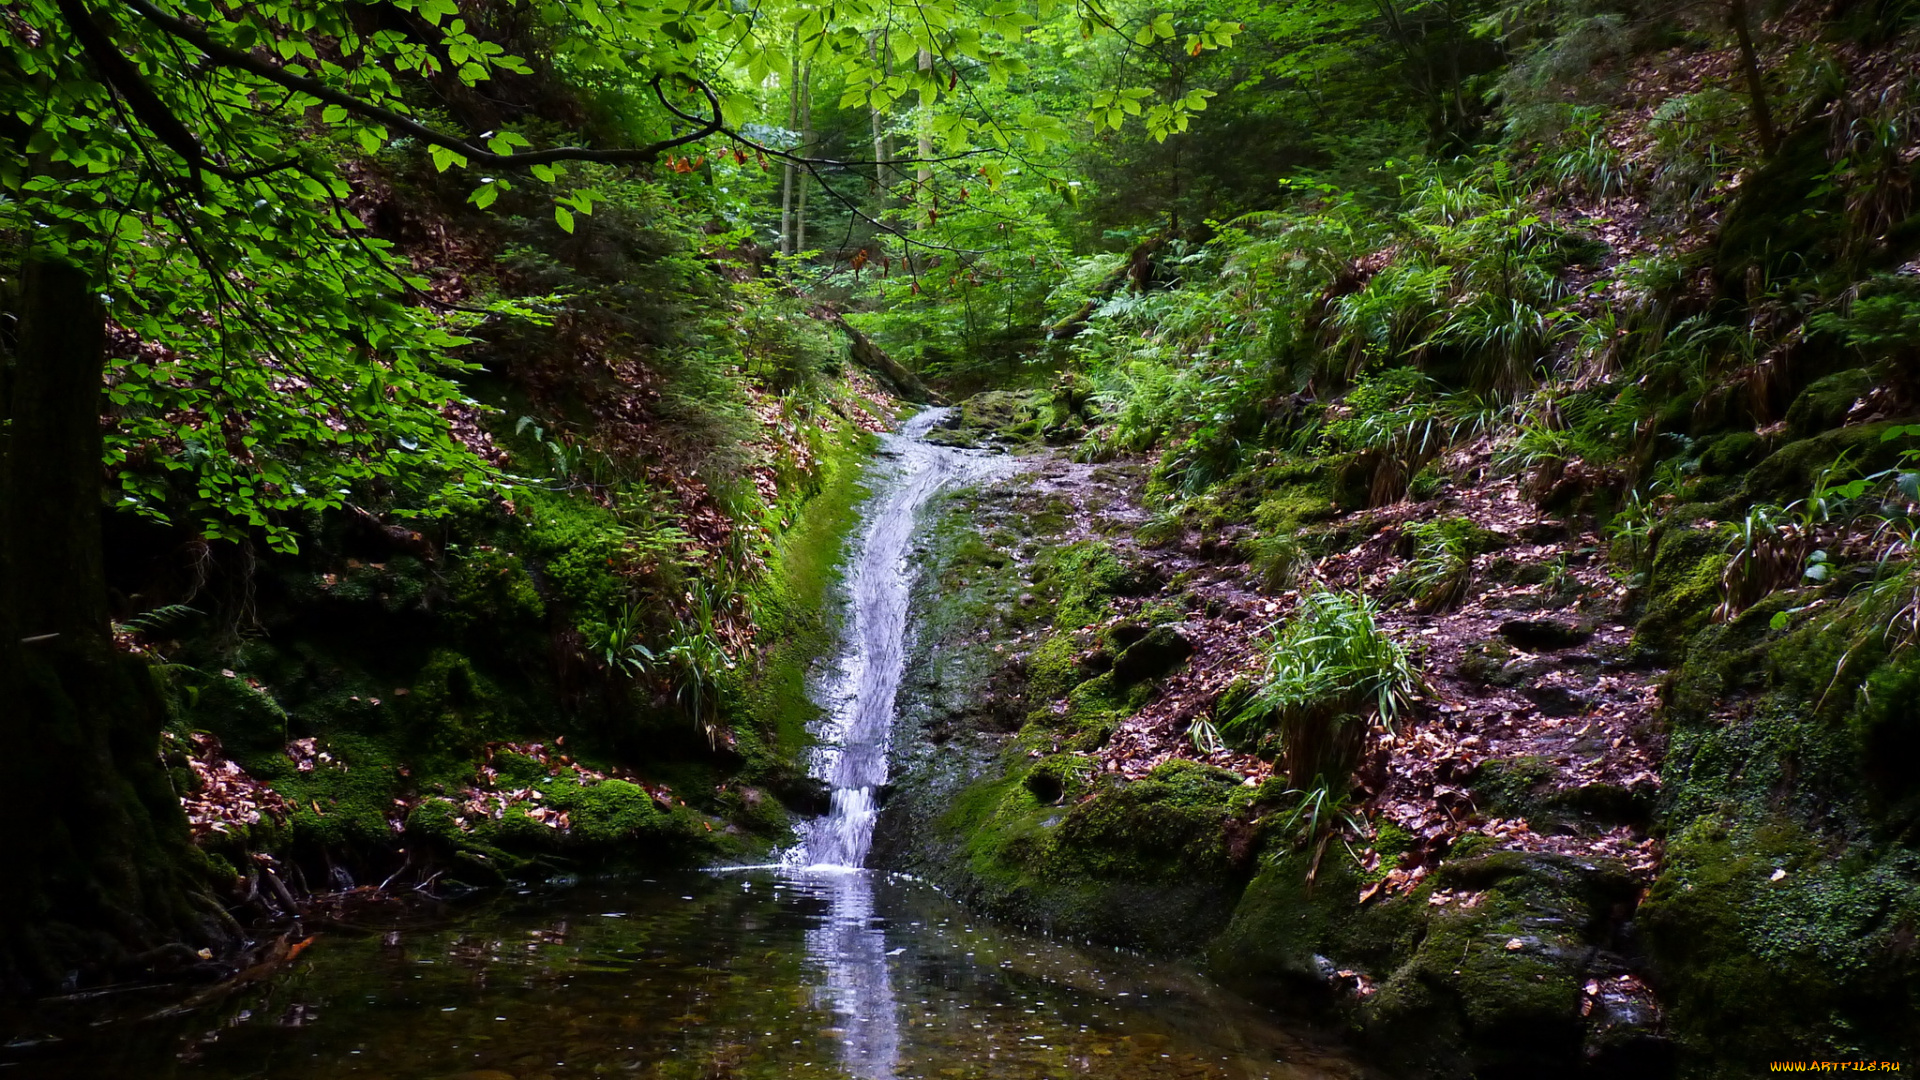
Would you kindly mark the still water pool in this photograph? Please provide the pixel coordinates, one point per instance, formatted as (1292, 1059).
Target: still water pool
(704, 976)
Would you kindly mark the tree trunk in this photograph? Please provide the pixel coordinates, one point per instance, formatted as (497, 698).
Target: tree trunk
(1756, 84)
(102, 880)
(806, 143)
(788, 170)
(873, 358)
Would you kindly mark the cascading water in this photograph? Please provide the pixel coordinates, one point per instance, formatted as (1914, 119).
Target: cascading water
(852, 756)
(850, 946)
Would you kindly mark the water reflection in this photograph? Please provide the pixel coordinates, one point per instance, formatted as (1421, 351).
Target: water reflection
(849, 949)
(757, 975)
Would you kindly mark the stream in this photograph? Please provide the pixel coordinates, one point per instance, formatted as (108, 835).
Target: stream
(815, 968)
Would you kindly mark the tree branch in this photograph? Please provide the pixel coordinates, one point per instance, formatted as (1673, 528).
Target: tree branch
(230, 57)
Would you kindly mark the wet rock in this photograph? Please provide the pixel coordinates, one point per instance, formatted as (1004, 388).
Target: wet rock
(1520, 671)
(1542, 532)
(1557, 699)
(1159, 653)
(807, 796)
(1543, 635)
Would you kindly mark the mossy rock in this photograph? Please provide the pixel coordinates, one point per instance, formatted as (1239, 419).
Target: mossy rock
(1054, 669)
(1769, 947)
(1154, 656)
(1791, 471)
(489, 589)
(1683, 588)
(1144, 863)
(1824, 404)
(577, 544)
(451, 710)
(610, 812)
(247, 720)
(1009, 417)
(1513, 787)
(1492, 989)
(1085, 577)
(1060, 778)
(1730, 454)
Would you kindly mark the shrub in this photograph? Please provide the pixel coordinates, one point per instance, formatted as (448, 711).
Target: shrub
(1331, 674)
(1437, 576)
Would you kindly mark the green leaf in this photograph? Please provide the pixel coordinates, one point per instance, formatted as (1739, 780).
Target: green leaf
(563, 218)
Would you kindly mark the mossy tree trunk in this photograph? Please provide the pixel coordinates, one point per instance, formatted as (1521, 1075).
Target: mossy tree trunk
(101, 879)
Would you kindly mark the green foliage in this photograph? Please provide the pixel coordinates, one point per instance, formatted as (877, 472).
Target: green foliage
(1599, 427)
(1698, 137)
(1882, 319)
(1331, 674)
(1441, 569)
(1402, 421)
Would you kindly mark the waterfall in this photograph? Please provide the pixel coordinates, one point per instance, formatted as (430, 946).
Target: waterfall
(859, 697)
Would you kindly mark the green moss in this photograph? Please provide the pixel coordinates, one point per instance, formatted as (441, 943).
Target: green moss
(1769, 946)
(246, 719)
(344, 804)
(578, 543)
(1085, 576)
(1730, 454)
(1288, 510)
(792, 602)
(1683, 588)
(489, 587)
(1513, 787)
(1825, 402)
(451, 710)
(1060, 778)
(402, 584)
(1144, 862)
(1053, 668)
(1791, 471)
(610, 812)
(1283, 923)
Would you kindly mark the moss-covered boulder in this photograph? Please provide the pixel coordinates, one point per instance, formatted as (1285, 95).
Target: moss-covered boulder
(1482, 971)
(1683, 587)
(1157, 654)
(1769, 947)
(1824, 404)
(1792, 471)
(1145, 863)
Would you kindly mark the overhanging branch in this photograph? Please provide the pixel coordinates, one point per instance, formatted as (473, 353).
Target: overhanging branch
(227, 56)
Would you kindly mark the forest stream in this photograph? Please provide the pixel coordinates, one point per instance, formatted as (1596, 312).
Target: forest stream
(815, 967)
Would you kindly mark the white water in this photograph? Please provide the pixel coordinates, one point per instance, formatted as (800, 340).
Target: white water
(850, 945)
(859, 698)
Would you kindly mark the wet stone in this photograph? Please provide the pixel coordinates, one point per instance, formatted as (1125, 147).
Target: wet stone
(1521, 670)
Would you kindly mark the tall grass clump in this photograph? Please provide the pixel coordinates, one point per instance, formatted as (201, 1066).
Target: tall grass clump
(1331, 675)
(1441, 569)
